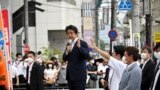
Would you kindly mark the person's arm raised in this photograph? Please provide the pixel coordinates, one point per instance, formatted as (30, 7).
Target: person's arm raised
(103, 53)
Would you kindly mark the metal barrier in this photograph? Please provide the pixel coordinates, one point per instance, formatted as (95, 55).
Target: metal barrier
(46, 87)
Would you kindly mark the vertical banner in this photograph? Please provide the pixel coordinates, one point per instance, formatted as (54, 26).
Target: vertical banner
(6, 32)
(2, 41)
(3, 61)
(88, 35)
(136, 39)
(87, 23)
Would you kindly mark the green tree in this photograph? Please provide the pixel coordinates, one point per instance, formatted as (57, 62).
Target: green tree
(48, 53)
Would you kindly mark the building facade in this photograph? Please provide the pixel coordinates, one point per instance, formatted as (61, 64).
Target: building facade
(48, 29)
(156, 16)
(88, 20)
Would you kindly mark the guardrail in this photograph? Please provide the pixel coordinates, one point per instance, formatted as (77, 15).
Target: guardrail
(23, 86)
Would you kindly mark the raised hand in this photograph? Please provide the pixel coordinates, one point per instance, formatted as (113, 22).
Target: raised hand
(69, 48)
(78, 43)
(93, 44)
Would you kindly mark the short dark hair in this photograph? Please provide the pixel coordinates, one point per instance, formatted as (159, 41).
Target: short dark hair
(32, 52)
(157, 46)
(39, 52)
(90, 58)
(147, 48)
(71, 27)
(119, 49)
(132, 51)
(53, 58)
(139, 57)
(18, 54)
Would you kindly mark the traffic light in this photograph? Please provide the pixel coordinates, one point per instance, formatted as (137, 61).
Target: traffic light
(32, 6)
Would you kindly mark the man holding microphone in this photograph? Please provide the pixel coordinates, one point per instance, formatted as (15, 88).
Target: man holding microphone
(76, 53)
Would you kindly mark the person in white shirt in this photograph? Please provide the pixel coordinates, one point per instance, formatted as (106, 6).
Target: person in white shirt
(21, 68)
(50, 73)
(102, 69)
(14, 73)
(115, 63)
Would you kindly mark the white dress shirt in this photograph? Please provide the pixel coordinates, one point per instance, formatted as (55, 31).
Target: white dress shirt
(14, 71)
(50, 73)
(138, 63)
(29, 73)
(74, 41)
(21, 67)
(156, 78)
(145, 63)
(102, 68)
(72, 44)
(130, 65)
(117, 68)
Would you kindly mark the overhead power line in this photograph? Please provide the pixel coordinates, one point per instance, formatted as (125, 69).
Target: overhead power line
(69, 7)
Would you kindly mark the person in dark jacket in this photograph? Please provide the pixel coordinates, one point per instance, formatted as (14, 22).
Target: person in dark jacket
(147, 68)
(92, 72)
(34, 73)
(76, 53)
(156, 77)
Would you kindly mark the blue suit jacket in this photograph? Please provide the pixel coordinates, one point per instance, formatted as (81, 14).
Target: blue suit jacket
(76, 68)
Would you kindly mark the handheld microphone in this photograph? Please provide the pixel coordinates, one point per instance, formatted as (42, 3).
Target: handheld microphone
(69, 42)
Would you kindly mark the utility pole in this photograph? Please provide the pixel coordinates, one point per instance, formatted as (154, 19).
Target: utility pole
(136, 24)
(26, 20)
(147, 12)
(97, 5)
(148, 29)
(113, 20)
(97, 28)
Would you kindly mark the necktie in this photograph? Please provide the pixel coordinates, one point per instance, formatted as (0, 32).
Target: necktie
(141, 66)
(27, 73)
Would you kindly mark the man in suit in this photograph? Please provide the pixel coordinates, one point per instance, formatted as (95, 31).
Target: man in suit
(76, 53)
(34, 73)
(156, 77)
(147, 68)
(132, 75)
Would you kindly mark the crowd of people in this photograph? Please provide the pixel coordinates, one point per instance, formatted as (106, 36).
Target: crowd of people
(114, 72)
(32, 70)
(124, 69)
